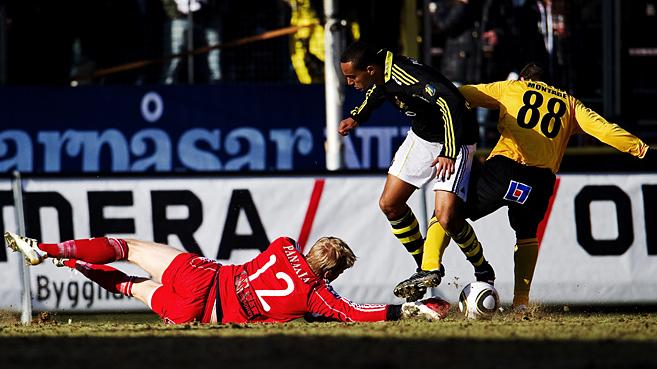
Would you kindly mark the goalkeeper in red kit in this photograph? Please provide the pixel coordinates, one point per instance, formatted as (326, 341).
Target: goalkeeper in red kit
(278, 285)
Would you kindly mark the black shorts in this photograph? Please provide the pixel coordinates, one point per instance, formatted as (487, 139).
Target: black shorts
(501, 181)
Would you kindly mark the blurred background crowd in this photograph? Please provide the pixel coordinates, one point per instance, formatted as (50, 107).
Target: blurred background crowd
(603, 51)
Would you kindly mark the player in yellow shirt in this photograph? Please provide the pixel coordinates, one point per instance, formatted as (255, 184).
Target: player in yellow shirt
(536, 122)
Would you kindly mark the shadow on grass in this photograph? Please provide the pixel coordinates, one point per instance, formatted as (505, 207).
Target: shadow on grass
(280, 351)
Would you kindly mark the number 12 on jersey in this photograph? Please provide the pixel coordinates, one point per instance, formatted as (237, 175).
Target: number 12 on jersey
(289, 288)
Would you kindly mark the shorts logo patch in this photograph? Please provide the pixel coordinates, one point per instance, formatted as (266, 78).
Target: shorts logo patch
(517, 192)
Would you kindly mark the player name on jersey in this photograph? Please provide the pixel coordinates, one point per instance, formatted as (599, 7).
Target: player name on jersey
(292, 255)
(547, 89)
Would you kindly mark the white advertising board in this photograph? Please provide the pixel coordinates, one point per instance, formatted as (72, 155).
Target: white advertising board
(599, 245)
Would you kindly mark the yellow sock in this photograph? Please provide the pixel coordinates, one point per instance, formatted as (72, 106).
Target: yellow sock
(434, 245)
(524, 256)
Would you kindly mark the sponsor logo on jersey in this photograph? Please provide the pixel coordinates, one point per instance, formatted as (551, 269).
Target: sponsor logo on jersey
(517, 192)
(430, 90)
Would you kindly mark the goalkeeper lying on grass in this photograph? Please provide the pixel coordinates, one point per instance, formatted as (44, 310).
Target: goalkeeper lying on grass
(279, 285)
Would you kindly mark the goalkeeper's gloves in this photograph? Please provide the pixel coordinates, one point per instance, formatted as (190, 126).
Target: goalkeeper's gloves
(431, 309)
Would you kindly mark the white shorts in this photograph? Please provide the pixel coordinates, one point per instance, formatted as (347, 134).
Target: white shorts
(412, 164)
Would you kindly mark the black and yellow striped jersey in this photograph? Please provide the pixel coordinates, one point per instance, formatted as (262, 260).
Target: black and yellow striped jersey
(436, 108)
(537, 120)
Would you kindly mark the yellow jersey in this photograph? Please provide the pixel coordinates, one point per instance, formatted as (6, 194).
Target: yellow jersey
(537, 120)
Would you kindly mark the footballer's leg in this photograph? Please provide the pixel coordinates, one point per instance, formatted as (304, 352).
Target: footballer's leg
(451, 218)
(152, 257)
(89, 255)
(143, 290)
(434, 245)
(402, 220)
(451, 197)
(410, 169)
(431, 271)
(112, 279)
(28, 247)
(525, 256)
(525, 218)
(99, 250)
(525, 253)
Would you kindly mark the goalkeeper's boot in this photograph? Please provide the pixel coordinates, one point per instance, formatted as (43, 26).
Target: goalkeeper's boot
(485, 273)
(413, 288)
(26, 246)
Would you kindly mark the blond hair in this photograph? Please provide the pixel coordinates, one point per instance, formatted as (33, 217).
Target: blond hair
(330, 254)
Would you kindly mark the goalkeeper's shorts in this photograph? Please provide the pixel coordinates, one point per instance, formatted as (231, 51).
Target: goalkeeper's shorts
(187, 292)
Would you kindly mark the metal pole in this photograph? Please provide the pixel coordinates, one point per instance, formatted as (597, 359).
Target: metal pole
(26, 292)
(333, 85)
(190, 43)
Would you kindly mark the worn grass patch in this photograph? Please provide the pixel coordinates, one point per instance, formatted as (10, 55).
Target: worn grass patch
(540, 338)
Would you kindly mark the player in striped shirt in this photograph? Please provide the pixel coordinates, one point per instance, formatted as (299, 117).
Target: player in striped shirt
(438, 149)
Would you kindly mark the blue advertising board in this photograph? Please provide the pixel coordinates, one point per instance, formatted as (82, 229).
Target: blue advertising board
(227, 127)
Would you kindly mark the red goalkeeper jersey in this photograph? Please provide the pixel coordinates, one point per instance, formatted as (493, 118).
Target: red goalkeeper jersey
(279, 286)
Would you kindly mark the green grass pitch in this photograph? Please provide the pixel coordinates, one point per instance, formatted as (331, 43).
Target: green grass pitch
(541, 338)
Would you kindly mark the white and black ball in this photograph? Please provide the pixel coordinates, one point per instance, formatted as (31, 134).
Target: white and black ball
(479, 300)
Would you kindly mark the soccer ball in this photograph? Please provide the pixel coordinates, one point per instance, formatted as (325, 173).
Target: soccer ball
(479, 300)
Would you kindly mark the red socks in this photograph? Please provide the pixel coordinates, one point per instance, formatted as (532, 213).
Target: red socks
(85, 256)
(100, 250)
(107, 277)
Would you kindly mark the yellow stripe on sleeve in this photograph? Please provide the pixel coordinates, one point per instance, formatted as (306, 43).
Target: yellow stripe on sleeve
(364, 103)
(401, 78)
(450, 147)
(388, 66)
(405, 73)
